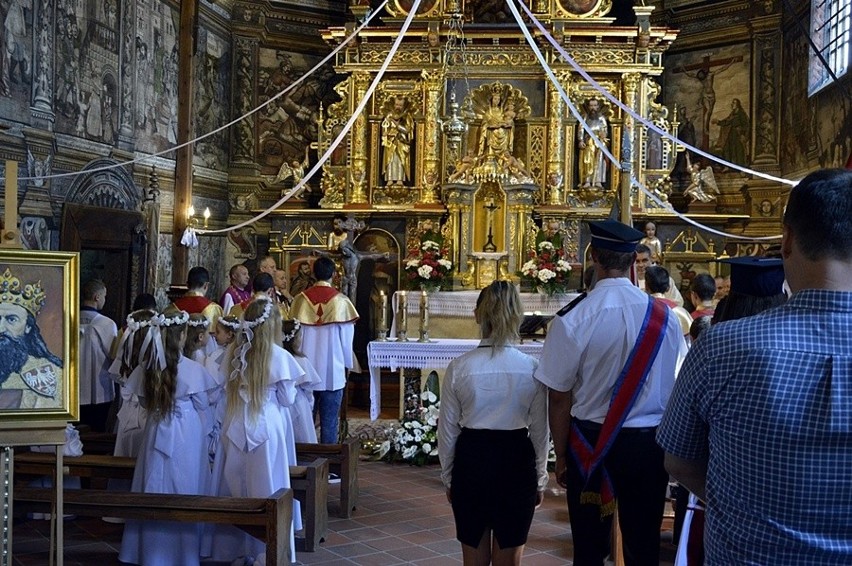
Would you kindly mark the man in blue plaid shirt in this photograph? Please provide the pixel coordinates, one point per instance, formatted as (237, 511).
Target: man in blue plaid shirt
(759, 425)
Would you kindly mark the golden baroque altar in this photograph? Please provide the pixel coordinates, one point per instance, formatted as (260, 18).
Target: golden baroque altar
(465, 128)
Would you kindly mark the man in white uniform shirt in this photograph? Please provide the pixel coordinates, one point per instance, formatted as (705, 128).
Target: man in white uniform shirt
(609, 362)
(97, 332)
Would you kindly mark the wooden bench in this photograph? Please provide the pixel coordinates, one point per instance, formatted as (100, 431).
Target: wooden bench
(343, 461)
(342, 458)
(309, 484)
(268, 519)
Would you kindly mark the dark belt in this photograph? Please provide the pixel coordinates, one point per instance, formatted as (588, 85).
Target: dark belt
(596, 427)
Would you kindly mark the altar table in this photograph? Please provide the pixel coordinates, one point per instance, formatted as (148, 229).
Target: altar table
(436, 354)
(451, 312)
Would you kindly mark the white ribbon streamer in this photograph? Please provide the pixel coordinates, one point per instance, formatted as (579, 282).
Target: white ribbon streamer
(189, 238)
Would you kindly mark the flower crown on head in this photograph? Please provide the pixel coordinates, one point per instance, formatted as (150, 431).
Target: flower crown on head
(267, 310)
(182, 317)
(289, 336)
(134, 325)
(230, 322)
(199, 323)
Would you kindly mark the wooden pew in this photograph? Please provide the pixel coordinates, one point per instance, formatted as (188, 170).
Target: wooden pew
(343, 461)
(268, 519)
(309, 484)
(342, 458)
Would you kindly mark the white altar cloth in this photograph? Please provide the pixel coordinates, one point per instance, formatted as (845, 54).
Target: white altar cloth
(421, 355)
(460, 304)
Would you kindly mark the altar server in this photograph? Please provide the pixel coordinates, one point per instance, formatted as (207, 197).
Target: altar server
(492, 435)
(97, 332)
(328, 327)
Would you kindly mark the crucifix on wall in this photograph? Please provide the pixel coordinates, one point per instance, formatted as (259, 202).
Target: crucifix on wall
(704, 73)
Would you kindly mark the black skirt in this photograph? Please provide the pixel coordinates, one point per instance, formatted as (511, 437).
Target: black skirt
(494, 486)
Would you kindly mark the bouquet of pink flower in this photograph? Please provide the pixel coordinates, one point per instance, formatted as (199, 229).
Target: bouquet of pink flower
(547, 269)
(428, 268)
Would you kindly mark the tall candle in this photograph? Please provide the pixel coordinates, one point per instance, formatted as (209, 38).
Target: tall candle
(402, 316)
(383, 317)
(424, 310)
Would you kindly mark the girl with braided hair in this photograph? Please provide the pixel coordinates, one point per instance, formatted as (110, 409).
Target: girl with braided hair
(173, 456)
(256, 445)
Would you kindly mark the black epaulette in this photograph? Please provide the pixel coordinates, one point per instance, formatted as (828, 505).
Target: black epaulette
(567, 308)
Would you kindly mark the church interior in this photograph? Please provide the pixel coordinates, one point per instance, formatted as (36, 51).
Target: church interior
(151, 136)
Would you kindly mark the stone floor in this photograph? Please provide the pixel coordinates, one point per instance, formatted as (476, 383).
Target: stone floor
(402, 518)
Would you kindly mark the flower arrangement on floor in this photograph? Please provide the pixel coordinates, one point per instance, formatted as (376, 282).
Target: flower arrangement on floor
(547, 268)
(415, 439)
(428, 268)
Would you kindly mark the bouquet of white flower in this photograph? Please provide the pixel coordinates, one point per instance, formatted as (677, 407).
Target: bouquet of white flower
(415, 439)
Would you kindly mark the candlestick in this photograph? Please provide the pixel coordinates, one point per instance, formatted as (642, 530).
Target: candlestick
(383, 318)
(424, 316)
(402, 317)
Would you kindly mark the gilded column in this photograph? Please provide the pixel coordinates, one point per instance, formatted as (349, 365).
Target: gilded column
(555, 148)
(357, 194)
(630, 85)
(432, 82)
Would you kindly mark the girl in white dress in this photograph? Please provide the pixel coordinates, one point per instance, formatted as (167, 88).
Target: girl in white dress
(256, 446)
(134, 353)
(173, 457)
(302, 411)
(197, 338)
(224, 334)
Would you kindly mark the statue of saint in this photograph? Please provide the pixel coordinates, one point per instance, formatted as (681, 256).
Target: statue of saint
(653, 242)
(496, 134)
(397, 129)
(592, 163)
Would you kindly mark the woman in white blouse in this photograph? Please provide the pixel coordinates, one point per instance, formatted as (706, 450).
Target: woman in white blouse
(492, 435)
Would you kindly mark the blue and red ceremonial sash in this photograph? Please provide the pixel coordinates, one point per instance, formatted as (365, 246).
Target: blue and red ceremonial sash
(598, 489)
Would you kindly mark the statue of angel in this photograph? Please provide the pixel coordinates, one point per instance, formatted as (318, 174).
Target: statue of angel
(702, 183)
(293, 169)
(38, 168)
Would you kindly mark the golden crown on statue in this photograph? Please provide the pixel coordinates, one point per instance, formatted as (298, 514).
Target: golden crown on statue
(31, 296)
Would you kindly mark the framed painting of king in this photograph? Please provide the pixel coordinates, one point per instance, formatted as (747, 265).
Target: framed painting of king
(39, 320)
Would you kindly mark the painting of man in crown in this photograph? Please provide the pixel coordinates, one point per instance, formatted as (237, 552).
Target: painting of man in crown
(34, 335)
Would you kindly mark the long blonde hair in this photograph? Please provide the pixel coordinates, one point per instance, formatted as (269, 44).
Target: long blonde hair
(249, 355)
(161, 383)
(499, 310)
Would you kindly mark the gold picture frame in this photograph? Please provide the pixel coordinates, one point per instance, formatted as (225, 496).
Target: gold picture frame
(39, 336)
